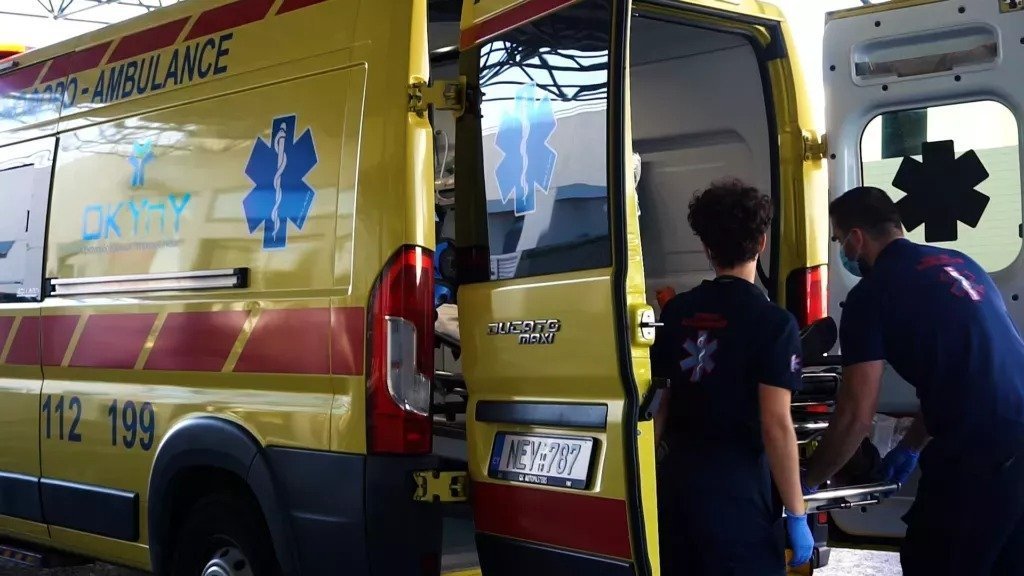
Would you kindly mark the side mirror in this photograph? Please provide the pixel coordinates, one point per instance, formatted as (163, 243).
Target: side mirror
(818, 338)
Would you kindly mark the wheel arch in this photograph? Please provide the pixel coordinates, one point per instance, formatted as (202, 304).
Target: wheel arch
(229, 450)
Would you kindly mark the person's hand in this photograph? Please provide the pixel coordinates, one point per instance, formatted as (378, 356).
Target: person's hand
(899, 463)
(800, 539)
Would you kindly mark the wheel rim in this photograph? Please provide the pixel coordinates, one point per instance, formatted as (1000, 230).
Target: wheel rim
(228, 561)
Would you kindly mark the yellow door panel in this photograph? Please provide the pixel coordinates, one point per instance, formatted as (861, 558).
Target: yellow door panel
(562, 470)
(25, 171)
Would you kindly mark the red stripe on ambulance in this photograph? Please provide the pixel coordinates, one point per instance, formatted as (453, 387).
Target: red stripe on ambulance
(221, 18)
(32, 348)
(289, 342)
(196, 341)
(57, 334)
(75, 62)
(148, 40)
(574, 521)
(25, 347)
(509, 19)
(6, 323)
(20, 79)
(292, 5)
(112, 340)
(348, 343)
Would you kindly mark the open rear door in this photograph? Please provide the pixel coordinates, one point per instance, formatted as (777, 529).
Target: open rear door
(923, 102)
(551, 293)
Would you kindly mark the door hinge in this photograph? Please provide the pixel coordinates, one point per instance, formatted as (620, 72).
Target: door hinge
(439, 95)
(815, 147)
(438, 486)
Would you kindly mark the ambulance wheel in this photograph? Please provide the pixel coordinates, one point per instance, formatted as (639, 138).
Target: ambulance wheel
(224, 535)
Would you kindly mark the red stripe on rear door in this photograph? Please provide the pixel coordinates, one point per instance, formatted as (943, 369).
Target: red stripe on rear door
(229, 15)
(565, 520)
(196, 341)
(149, 40)
(6, 323)
(289, 342)
(292, 5)
(112, 340)
(75, 62)
(509, 19)
(19, 80)
(57, 333)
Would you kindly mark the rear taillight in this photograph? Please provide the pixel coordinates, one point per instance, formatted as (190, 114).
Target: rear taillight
(401, 376)
(807, 294)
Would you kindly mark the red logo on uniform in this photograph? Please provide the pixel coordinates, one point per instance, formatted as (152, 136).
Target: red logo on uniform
(963, 284)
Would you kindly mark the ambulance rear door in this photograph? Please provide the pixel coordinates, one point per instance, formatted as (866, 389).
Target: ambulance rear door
(554, 326)
(923, 101)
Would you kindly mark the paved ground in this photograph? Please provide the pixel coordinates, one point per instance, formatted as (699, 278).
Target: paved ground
(843, 563)
(862, 563)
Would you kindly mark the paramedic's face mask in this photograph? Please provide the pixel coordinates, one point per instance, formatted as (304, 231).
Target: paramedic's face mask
(852, 263)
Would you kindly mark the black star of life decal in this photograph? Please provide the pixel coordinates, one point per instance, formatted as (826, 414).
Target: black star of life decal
(941, 191)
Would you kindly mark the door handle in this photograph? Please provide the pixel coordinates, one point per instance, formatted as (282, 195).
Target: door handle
(646, 323)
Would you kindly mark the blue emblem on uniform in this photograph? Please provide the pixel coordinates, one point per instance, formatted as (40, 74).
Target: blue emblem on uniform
(529, 162)
(278, 169)
(142, 154)
(700, 360)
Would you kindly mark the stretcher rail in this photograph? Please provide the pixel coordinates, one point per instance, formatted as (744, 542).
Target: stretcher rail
(847, 497)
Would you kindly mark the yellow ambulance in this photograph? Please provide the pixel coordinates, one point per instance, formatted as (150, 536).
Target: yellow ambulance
(219, 240)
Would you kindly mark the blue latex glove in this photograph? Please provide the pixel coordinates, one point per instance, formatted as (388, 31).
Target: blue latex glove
(899, 463)
(800, 539)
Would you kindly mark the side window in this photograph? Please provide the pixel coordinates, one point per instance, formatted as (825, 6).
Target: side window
(23, 195)
(954, 171)
(544, 127)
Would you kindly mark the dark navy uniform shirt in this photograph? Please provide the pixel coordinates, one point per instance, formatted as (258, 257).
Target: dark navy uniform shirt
(938, 319)
(718, 343)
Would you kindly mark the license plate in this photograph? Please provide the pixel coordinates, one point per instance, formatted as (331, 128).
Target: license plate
(547, 460)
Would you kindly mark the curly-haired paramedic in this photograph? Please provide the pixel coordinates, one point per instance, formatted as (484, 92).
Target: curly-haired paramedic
(733, 359)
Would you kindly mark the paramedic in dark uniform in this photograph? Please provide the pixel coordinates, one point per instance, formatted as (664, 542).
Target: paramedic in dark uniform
(733, 358)
(937, 318)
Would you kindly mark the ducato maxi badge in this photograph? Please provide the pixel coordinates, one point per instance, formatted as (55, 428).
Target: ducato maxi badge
(529, 331)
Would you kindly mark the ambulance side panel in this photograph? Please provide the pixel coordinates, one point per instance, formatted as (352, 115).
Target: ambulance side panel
(220, 142)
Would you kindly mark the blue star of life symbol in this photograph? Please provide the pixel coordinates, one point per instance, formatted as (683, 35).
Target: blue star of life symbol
(529, 161)
(142, 154)
(278, 169)
(700, 360)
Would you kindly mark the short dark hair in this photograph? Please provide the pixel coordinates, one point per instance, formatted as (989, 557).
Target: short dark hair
(867, 208)
(730, 218)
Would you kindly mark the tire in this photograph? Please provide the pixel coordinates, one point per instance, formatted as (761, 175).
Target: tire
(224, 535)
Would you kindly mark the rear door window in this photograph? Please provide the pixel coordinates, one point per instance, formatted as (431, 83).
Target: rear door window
(544, 127)
(955, 172)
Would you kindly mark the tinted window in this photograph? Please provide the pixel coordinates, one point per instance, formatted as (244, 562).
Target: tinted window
(544, 127)
(955, 172)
